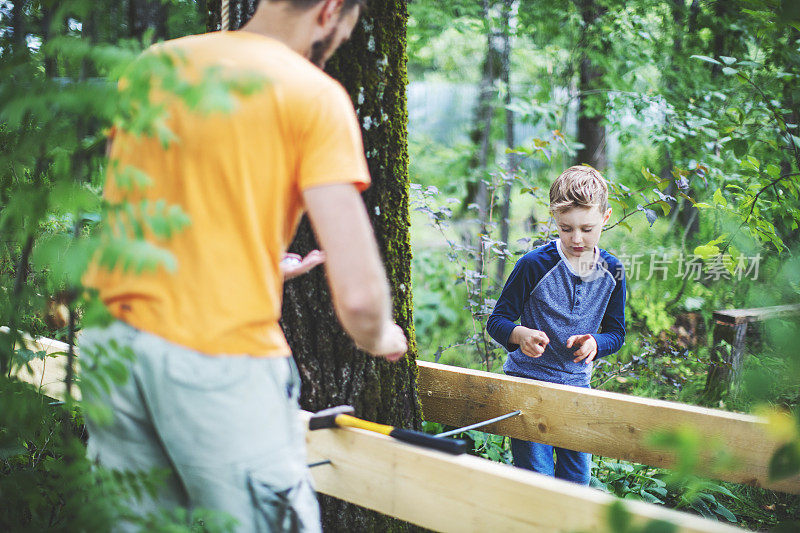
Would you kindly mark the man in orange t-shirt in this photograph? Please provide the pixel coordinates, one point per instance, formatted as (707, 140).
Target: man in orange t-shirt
(212, 394)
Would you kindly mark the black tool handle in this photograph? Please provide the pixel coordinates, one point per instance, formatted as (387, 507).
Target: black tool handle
(453, 446)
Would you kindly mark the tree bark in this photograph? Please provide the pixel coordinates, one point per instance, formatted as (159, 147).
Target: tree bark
(477, 190)
(591, 131)
(484, 111)
(372, 67)
(18, 26)
(145, 14)
(511, 159)
(47, 35)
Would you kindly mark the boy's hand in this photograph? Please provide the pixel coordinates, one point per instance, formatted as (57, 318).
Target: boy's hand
(587, 350)
(531, 341)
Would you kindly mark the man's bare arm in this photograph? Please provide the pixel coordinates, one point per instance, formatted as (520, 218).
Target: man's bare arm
(355, 273)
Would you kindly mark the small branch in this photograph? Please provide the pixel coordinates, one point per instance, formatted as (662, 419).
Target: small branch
(779, 119)
(753, 207)
(19, 284)
(72, 296)
(618, 222)
(677, 297)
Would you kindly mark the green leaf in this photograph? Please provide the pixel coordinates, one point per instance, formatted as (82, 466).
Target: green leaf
(706, 58)
(719, 199)
(7, 452)
(725, 513)
(728, 71)
(649, 175)
(701, 507)
(707, 251)
(750, 163)
(649, 498)
(736, 114)
(728, 60)
(773, 171)
(739, 147)
(619, 519)
(659, 526)
(661, 491)
(785, 462)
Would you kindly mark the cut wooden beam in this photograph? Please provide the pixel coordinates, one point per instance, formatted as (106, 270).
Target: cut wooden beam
(756, 314)
(731, 325)
(465, 493)
(48, 373)
(599, 422)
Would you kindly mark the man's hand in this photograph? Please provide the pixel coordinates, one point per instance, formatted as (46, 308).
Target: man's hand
(587, 347)
(531, 341)
(391, 344)
(292, 265)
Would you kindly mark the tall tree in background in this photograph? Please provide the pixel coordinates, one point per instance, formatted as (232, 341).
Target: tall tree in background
(144, 14)
(372, 67)
(509, 24)
(481, 134)
(591, 125)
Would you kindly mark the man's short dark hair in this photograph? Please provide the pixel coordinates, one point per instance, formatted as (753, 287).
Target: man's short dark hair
(308, 4)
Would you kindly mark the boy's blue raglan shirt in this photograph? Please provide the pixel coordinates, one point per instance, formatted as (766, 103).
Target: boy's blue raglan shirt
(543, 292)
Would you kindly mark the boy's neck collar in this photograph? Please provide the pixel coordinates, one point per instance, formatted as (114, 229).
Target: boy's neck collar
(592, 273)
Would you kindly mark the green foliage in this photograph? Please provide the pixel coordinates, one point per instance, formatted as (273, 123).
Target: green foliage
(620, 520)
(75, 77)
(626, 480)
(493, 447)
(652, 485)
(699, 103)
(46, 482)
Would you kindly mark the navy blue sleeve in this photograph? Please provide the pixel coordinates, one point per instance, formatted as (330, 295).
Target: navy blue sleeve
(508, 308)
(612, 327)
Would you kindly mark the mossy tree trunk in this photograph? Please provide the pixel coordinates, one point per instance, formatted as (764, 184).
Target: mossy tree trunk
(372, 66)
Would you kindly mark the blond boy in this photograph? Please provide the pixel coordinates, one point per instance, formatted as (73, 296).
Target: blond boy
(569, 298)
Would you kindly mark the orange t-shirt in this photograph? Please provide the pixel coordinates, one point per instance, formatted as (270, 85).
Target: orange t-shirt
(239, 177)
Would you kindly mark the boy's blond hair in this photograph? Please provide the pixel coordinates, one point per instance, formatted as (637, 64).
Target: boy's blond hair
(579, 186)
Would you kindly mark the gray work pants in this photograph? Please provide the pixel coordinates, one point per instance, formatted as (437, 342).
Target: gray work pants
(225, 428)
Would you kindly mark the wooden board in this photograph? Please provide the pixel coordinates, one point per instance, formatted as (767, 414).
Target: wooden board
(756, 314)
(48, 374)
(432, 489)
(603, 423)
(465, 493)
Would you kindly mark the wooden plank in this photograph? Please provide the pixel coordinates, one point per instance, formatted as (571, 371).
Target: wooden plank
(603, 423)
(432, 489)
(465, 493)
(48, 374)
(756, 314)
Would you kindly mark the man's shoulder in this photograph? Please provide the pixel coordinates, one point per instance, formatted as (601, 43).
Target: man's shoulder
(253, 53)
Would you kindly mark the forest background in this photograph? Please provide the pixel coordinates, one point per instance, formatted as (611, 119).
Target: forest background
(689, 108)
